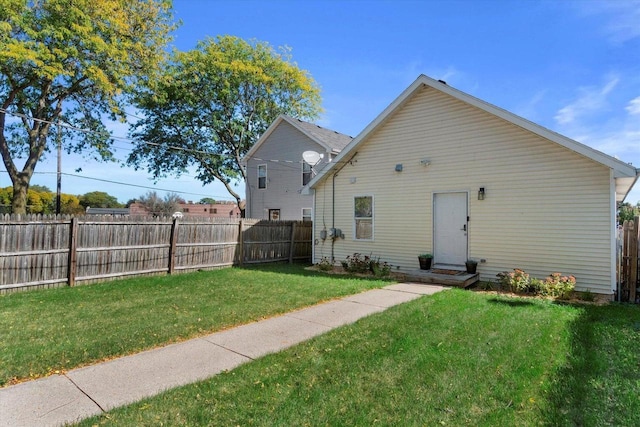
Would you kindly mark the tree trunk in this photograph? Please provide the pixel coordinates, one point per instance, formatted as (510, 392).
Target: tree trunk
(20, 189)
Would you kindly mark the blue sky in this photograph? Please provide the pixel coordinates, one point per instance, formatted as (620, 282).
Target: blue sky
(570, 66)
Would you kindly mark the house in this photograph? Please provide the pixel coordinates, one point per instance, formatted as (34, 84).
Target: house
(276, 171)
(441, 171)
(107, 211)
(193, 210)
(213, 210)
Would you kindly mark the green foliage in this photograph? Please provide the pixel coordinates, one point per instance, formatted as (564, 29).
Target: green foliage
(558, 286)
(358, 263)
(42, 202)
(207, 201)
(325, 264)
(425, 256)
(516, 281)
(555, 285)
(216, 101)
(71, 62)
(99, 199)
(627, 212)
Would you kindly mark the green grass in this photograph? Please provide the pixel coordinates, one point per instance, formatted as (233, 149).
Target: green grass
(59, 329)
(454, 358)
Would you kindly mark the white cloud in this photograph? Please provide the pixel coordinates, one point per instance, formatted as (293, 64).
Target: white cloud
(621, 17)
(591, 100)
(634, 106)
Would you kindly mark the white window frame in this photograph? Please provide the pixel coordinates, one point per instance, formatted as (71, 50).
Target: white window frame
(309, 217)
(355, 218)
(308, 172)
(262, 166)
(273, 211)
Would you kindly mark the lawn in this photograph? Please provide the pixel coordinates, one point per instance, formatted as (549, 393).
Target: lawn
(454, 358)
(59, 329)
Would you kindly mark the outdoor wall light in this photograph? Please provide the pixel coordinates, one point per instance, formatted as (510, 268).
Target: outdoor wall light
(481, 193)
(399, 167)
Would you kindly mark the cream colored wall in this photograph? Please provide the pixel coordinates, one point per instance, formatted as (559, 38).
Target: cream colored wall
(547, 209)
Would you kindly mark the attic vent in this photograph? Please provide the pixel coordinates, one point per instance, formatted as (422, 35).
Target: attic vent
(443, 82)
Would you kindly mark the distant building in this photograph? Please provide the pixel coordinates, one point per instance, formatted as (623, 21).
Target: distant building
(193, 210)
(107, 211)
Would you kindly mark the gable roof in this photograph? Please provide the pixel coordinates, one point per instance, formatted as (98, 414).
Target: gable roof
(625, 174)
(328, 139)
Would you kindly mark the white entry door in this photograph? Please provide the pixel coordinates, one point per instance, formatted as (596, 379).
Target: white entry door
(450, 228)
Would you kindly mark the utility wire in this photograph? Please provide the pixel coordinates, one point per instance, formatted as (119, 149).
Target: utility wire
(134, 141)
(133, 185)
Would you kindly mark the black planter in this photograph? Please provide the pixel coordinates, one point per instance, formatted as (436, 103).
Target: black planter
(425, 263)
(471, 267)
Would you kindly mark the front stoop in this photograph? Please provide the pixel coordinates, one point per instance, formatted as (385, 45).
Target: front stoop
(463, 280)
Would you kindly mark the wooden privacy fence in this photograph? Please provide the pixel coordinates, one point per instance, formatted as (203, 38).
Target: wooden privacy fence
(47, 252)
(628, 268)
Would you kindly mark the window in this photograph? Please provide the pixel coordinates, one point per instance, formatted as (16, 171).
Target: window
(274, 214)
(306, 214)
(215, 210)
(363, 217)
(185, 210)
(306, 173)
(262, 176)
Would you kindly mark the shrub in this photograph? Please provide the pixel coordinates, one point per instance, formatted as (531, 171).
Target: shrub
(380, 269)
(516, 281)
(556, 285)
(325, 264)
(358, 263)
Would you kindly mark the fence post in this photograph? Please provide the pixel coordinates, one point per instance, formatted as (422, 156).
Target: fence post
(240, 243)
(293, 242)
(172, 246)
(73, 243)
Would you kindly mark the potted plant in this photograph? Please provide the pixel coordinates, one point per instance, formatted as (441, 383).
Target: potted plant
(425, 261)
(472, 266)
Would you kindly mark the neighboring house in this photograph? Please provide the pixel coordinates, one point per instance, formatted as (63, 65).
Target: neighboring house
(194, 210)
(276, 171)
(443, 172)
(107, 211)
(217, 210)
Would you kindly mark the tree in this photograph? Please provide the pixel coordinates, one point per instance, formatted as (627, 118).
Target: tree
(207, 201)
(213, 104)
(627, 212)
(158, 206)
(72, 62)
(99, 199)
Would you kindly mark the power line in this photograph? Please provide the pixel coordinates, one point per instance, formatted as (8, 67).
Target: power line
(132, 185)
(134, 141)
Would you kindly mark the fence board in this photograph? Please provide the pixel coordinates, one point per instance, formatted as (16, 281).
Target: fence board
(628, 261)
(37, 251)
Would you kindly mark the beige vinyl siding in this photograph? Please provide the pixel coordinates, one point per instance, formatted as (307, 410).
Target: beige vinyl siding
(547, 208)
(284, 177)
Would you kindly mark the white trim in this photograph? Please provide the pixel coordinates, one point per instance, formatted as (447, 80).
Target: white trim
(373, 210)
(433, 218)
(310, 214)
(266, 177)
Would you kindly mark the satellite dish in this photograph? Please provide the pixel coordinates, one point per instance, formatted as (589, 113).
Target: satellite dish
(311, 157)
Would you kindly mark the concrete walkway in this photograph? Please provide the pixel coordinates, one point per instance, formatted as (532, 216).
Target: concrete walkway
(84, 392)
